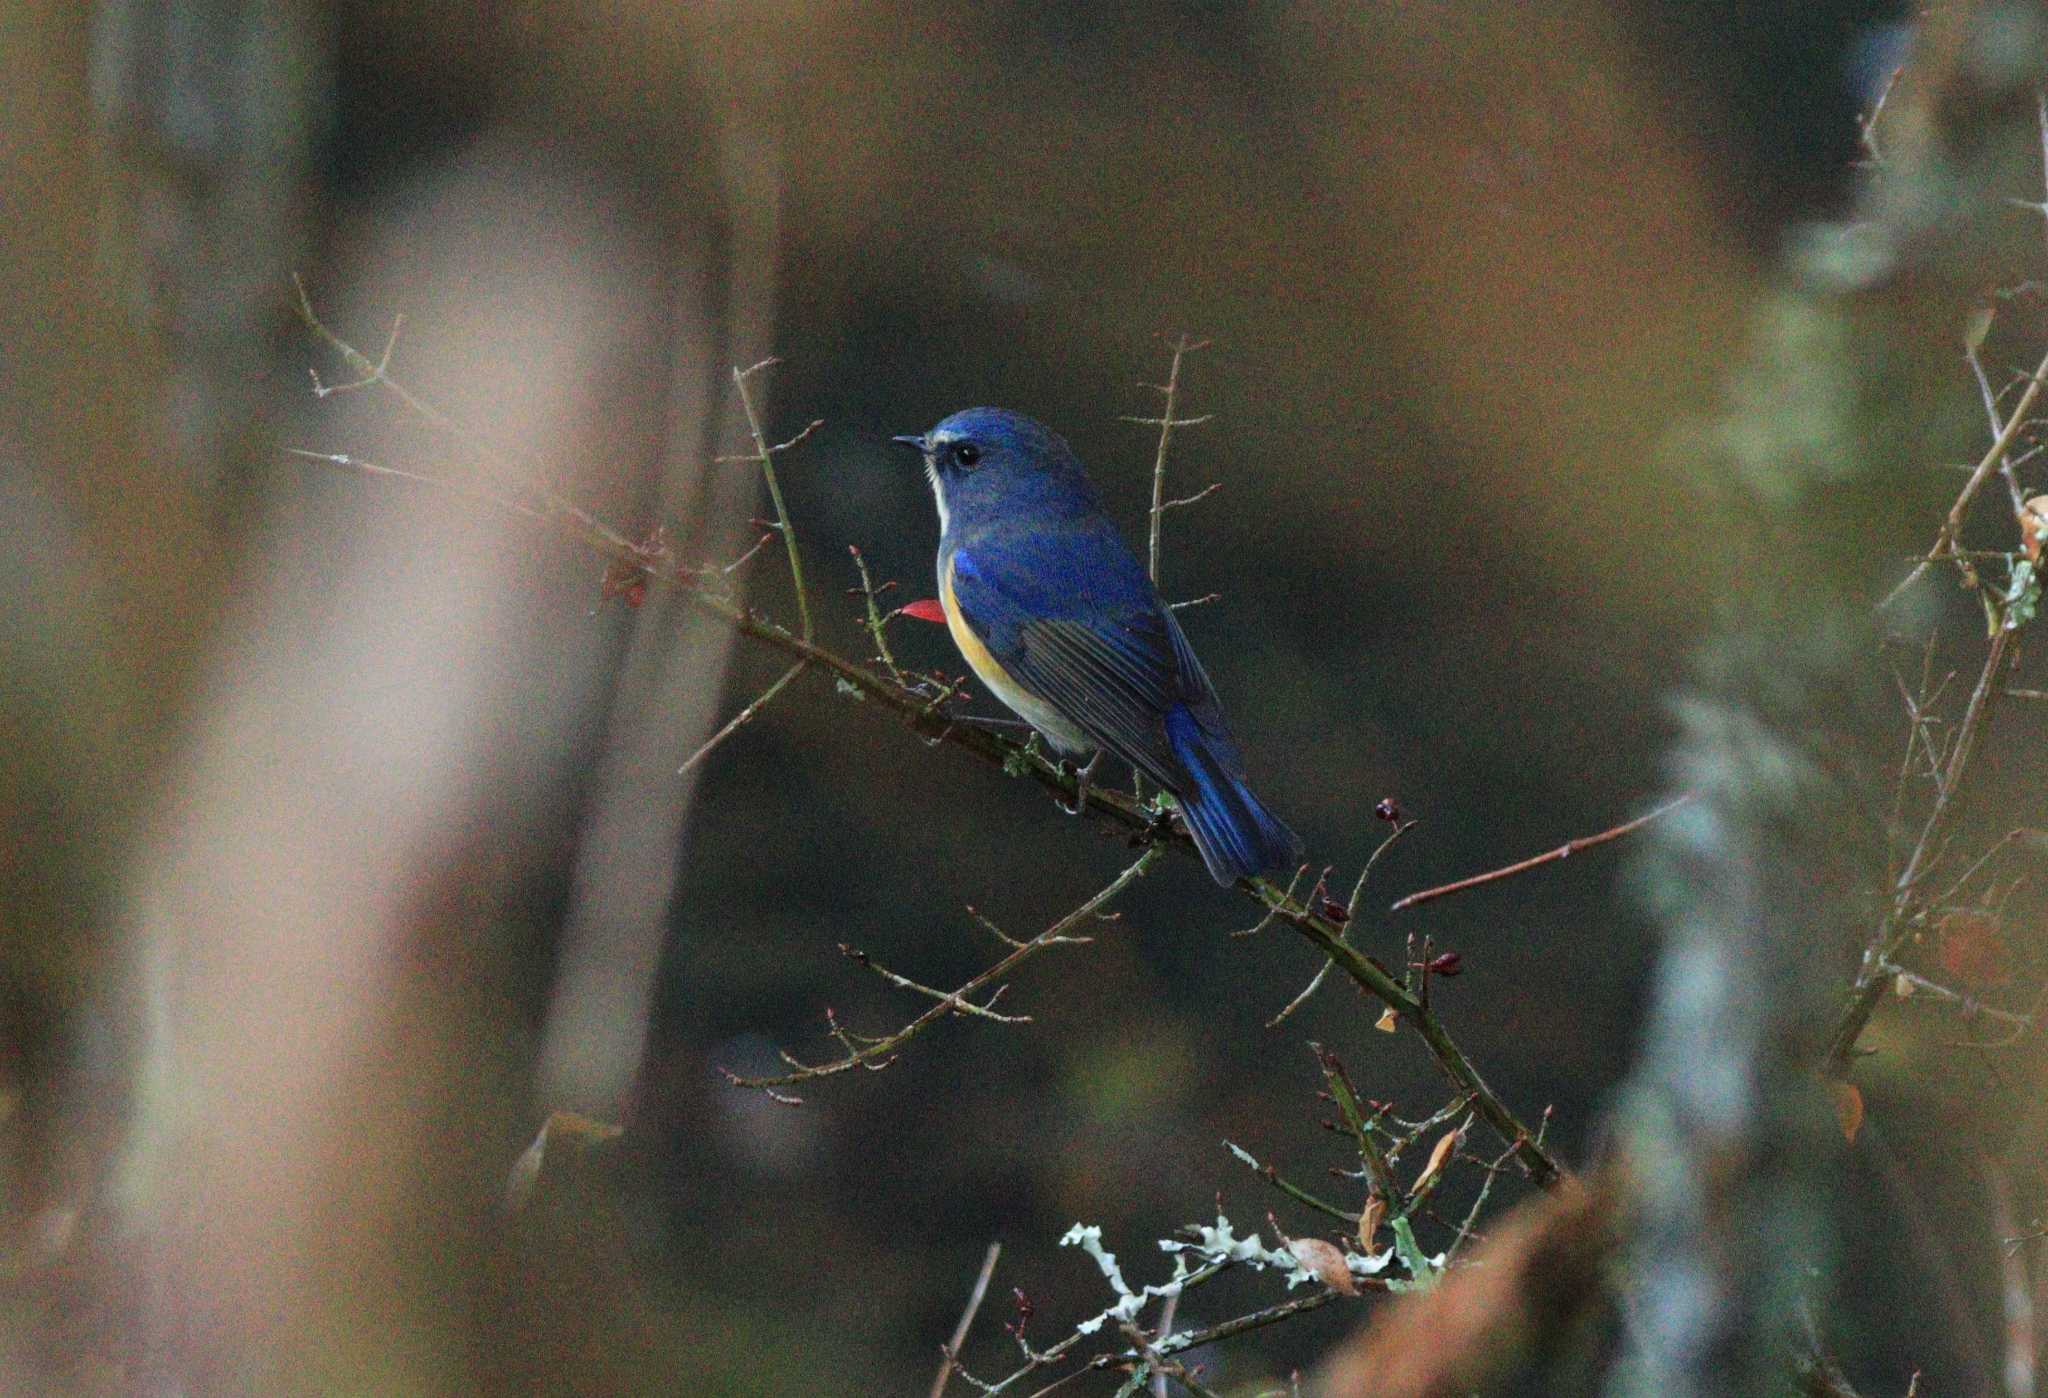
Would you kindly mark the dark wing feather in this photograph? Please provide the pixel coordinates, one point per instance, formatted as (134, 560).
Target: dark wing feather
(1116, 687)
(1073, 618)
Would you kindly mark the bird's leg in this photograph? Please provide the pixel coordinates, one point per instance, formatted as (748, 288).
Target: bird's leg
(1082, 776)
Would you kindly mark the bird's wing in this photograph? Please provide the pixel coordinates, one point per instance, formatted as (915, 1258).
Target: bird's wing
(1077, 622)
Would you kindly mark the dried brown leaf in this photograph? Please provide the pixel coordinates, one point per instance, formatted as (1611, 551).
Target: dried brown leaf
(2033, 524)
(1325, 1262)
(1439, 1156)
(1370, 1220)
(1848, 1109)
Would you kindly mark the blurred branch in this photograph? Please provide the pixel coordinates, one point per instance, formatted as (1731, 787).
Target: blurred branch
(1903, 918)
(950, 1362)
(2016, 1288)
(1526, 1290)
(2003, 435)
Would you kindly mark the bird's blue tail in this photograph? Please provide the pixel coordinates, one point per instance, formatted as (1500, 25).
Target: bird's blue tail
(1235, 832)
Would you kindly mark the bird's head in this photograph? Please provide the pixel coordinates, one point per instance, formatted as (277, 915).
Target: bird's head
(991, 459)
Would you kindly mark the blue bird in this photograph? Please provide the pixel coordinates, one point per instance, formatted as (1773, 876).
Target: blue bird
(1054, 612)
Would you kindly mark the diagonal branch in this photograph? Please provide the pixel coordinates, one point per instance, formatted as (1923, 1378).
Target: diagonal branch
(1944, 545)
(1563, 851)
(926, 716)
(870, 1052)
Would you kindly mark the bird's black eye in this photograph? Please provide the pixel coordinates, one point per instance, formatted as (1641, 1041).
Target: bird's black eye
(967, 454)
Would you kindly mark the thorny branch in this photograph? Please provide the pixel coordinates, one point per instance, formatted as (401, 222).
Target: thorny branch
(1908, 911)
(1316, 899)
(2002, 435)
(926, 716)
(1563, 851)
(864, 1052)
(1166, 422)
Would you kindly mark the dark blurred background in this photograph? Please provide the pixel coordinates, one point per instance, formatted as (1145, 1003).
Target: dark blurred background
(346, 840)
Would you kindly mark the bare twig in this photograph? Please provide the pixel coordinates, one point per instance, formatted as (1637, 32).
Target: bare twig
(867, 1051)
(1293, 1191)
(2005, 463)
(950, 1362)
(376, 374)
(1164, 1366)
(1199, 496)
(726, 570)
(1166, 422)
(1257, 1320)
(1273, 912)
(2017, 1289)
(765, 455)
(1401, 827)
(1379, 1173)
(876, 622)
(371, 468)
(1921, 985)
(1563, 851)
(1872, 980)
(740, 719)
(1952, 526)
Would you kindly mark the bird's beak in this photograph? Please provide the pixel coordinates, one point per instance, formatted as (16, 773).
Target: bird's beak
(914, 441)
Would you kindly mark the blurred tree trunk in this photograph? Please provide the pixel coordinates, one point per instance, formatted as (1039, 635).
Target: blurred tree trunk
(387, 730)
(1728, 1131)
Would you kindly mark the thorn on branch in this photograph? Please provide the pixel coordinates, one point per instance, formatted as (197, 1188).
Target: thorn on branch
(1564, 851)
(814, 424)
(729, 569)
(1273, 909)
(1203, 494)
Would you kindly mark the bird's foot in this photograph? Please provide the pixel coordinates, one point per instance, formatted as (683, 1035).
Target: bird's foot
(1082, 777)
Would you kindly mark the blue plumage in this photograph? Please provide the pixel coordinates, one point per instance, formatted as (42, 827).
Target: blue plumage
(1056, 615)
